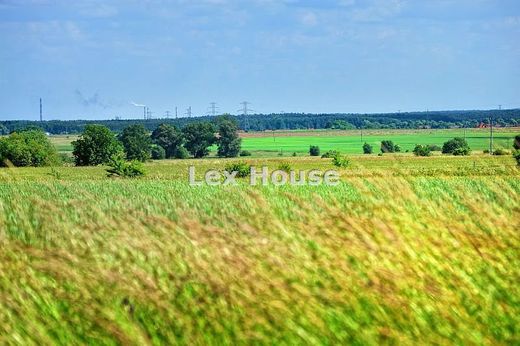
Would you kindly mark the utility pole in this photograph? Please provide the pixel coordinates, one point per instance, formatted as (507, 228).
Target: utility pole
(213, 108)
(245, 110)
(41, 110)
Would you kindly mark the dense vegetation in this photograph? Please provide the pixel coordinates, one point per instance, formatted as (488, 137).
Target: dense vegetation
(288, 121)
(27, 148)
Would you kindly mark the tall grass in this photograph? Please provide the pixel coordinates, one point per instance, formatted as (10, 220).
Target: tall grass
(385, 257)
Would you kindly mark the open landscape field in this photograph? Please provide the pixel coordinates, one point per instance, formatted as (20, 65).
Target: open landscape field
(272, 143)
(404, 250)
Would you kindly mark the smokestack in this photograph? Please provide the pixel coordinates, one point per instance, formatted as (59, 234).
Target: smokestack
(41, 110)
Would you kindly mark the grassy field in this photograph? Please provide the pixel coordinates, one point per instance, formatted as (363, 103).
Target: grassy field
(405, 250)
(265, 144)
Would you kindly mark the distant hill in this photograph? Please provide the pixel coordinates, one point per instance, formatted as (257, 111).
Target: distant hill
(294, 121)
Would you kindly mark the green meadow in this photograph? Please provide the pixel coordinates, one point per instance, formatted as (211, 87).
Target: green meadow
(405, 250)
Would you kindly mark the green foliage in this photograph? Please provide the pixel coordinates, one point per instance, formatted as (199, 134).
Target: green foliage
(422, 150)
(119, 167)
(169, 138)
(136, 143)
(341, 125)
(397, 148)
(181, 153)
(96, 146)
(500, 152)
(367, 148)
(199, 138)
(330, 154)
(314, 150)
(294, 154)
(340, 161)
(229, 143)
(3, 130)
(245, 153)
(516, 142)
(516, 156)
(434, 147)
(285, 166)
(28, 148)
(158, 152)
(389, 147)
(243, 169)
(456, 146)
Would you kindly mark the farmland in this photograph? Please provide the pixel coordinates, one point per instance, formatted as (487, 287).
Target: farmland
(405, 250)
(272, 143)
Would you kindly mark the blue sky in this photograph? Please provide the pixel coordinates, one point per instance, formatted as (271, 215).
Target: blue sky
(90, 59)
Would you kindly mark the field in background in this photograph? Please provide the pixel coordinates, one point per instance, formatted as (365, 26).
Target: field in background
(269, 143)
(405, 250)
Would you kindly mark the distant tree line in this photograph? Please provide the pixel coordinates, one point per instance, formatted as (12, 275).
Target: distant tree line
(295, 121)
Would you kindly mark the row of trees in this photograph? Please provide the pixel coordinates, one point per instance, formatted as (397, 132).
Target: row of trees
(97, 144)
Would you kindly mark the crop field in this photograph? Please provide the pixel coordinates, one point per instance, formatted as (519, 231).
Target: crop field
(269, 143)
(404, 250)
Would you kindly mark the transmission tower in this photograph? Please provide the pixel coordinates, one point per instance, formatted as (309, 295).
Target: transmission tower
(213, 108)
(188, 112)
(176, 115)
(245, 111)
(167, 114)
(41, 110)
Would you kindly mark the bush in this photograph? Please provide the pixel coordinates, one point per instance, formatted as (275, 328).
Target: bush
(397, 148)
(516, 156)
(243, 169)
(500, 152)
(330, 154)
(119, 167)
(285, 166)
(28, 148)
(245, 153)
(434, 147)
(158, 152)
(340, 161)
(367, 148)
(516, 143)
(456, 146)
(314, 150)
(181, 153)
(388, 147)
(422, 150)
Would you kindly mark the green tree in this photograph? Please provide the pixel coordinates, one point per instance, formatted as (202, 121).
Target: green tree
(136, 143)
(516, 143)
(3, 130)
(169, 138)
(422, 150)
(229, 142)
(367, 148)
(199, 137)
(96, 146)
(28, 148)
(158, 152)
(456, 146)
(314, 150)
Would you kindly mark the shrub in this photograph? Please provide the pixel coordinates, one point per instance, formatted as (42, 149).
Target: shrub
(243, 169)
(500, 152)
(388, 147)
(285, 166)
(367, 148)
(422, 150)
(28, 148)
(516, 143)
(486, 151)
(397, 148)
(181, 153)
(340, 161)
(434, 147)
(330, 154)
(456, 146)
(119, 167)
(96, 146)
(314, 150)
(245, 153)
(158, 152)
(294, 154)
(516, 156)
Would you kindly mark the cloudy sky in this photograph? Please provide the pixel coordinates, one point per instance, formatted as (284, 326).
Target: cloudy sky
(91, 59)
